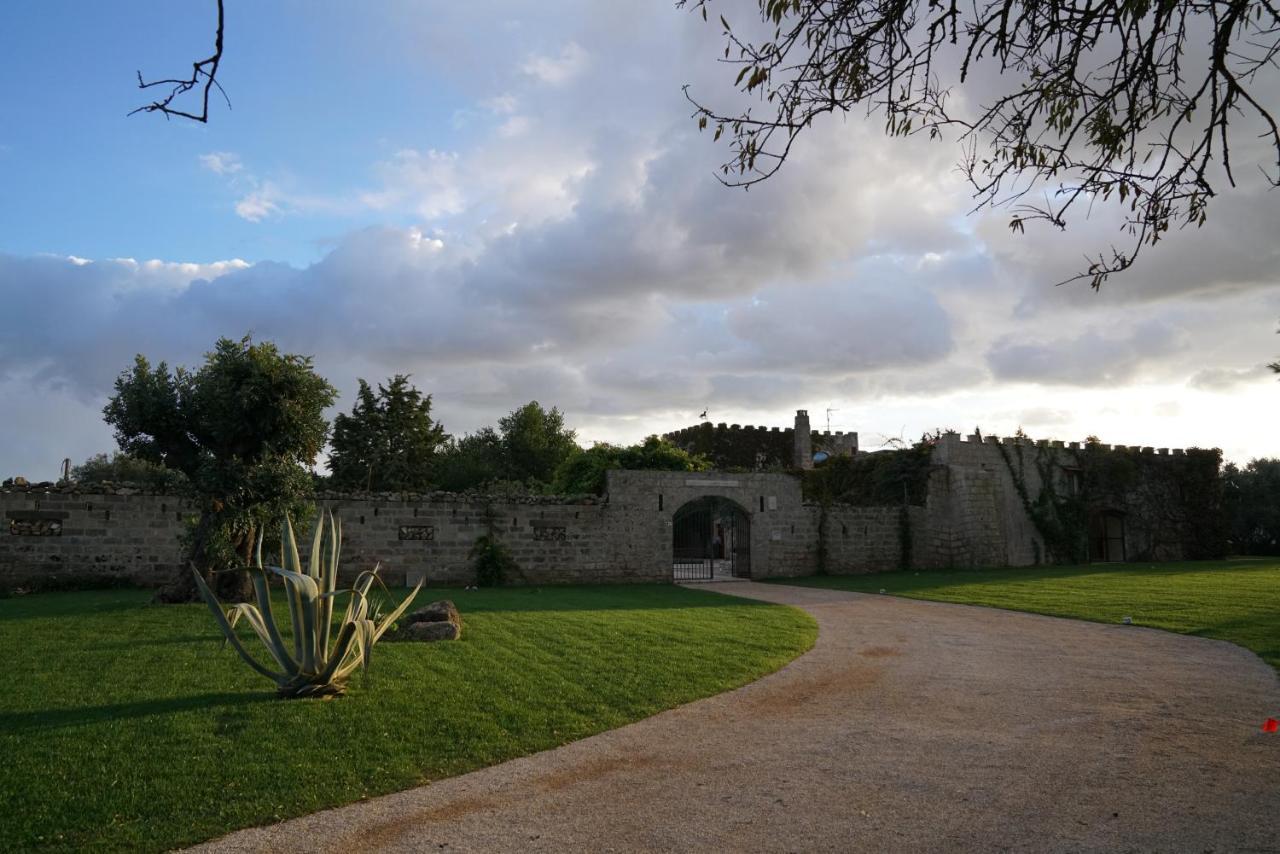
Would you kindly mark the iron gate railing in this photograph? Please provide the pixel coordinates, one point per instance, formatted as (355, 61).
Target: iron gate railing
(710, 537)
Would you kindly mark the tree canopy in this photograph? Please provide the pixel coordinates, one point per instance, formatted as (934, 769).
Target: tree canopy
(388, 442)
(583, 472)
(1251, 498)
(1134, 100)
(535, 442)
(244, 428)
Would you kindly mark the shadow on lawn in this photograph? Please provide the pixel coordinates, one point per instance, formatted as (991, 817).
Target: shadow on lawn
(49, 719)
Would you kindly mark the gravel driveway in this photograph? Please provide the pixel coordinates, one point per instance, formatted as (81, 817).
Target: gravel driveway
(911, 726)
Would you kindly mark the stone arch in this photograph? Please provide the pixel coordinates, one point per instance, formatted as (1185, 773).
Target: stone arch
(710, 539)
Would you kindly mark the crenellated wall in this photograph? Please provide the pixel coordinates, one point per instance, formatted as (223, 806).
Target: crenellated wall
(751, 448)
(972, 515)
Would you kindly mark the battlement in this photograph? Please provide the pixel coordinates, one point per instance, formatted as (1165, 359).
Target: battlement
(975, 439)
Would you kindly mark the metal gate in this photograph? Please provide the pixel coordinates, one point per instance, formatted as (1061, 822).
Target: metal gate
(711, 537)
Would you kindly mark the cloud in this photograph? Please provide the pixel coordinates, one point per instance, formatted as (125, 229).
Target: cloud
(1091, 358)
(259, 204)
(557, 70)
(221, 162)
(1225, 379)
(572, 244)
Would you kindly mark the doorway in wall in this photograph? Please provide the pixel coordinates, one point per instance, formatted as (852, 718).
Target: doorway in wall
(710, 539)
(1106, 537)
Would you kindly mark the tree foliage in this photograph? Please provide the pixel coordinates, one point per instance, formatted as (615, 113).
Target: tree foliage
(1131, 99)
(535, 442)
(244, 428)
(1251, 496)
(583, 472)
(388, 442)
(471, 462)
(521, 455)
(122, 468)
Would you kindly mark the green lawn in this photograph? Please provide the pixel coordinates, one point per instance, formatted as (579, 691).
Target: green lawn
(125, 726)
(1232, 600)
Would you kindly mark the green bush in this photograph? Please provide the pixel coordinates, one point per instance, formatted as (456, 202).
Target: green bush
(493, 564)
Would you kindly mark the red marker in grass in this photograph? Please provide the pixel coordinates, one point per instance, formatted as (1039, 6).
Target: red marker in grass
(1271, 725)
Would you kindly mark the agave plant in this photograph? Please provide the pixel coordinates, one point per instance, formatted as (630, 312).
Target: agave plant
(310, 666)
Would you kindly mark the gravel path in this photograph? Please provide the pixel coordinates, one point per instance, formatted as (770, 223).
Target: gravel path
(911, 726)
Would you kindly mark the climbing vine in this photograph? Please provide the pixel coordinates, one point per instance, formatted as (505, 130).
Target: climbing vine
(1172, 505)
(1060, 520)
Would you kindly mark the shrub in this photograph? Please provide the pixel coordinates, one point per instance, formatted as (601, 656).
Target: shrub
(492, 562)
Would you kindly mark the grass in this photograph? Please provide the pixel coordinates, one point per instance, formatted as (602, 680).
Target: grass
(125, 726)
(1232, 600)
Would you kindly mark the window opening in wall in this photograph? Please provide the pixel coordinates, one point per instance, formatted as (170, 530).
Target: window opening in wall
(659, 500)
(761, 503)
(362, 519)
(106, 516)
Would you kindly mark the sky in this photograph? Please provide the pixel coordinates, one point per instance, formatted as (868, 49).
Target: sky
(511, 202)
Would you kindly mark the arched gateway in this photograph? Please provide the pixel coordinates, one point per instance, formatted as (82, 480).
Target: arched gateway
(710, 538)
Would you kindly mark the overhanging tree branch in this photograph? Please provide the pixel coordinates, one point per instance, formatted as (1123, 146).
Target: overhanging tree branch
(204, 75)
(1131, 99)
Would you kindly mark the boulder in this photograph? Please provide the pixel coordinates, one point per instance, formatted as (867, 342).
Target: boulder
(443, 611)
(425, 631)
(437, 621)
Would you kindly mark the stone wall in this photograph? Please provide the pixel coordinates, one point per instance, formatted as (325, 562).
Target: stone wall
(130, 536)
(972, 516)
(976, 516)
(51, 534)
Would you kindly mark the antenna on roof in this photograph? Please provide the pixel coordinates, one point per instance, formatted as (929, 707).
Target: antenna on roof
(829, 411)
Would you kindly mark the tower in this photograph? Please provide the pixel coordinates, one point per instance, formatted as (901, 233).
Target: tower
(803, 457)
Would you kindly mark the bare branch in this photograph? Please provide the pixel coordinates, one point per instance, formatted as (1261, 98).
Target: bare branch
(203, 72)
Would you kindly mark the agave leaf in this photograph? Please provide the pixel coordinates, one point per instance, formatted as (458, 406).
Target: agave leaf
(305, 585)
(215, 607)
(254, 618)
(363, 649)
(395, 615)
(313, 568)
(262, 590)
(343, 644)
(290, 542)
(302, 598)
(320, 570)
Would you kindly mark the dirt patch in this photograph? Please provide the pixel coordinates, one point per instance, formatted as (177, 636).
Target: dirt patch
(593, 770)
(880, 652)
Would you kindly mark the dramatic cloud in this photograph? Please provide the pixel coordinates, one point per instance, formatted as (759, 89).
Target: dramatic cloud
(572, 244)
(1091, 358)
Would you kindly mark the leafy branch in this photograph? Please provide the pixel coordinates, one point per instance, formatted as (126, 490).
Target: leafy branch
(1108, 98)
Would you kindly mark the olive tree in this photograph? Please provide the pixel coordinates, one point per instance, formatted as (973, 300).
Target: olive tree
(245, 428)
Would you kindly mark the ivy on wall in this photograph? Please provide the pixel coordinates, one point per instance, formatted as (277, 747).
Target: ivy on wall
(736, 448)
(885, 478)
(882, 479)
(1171, 505)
